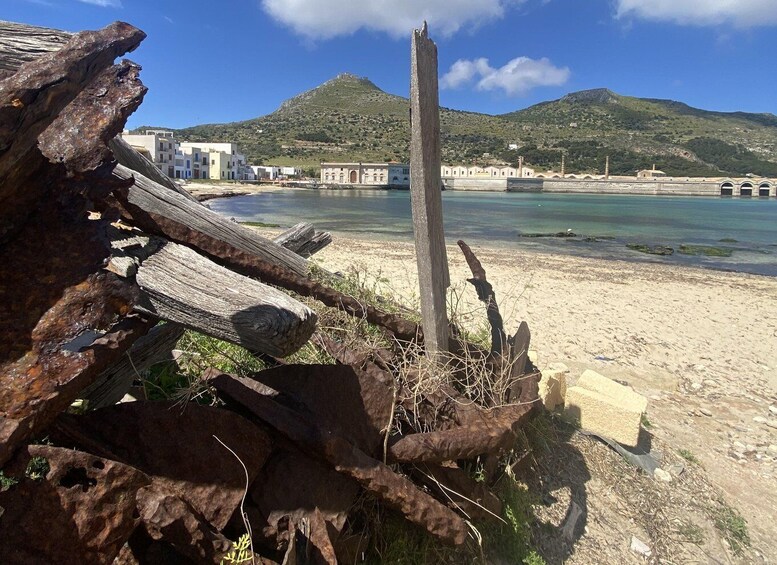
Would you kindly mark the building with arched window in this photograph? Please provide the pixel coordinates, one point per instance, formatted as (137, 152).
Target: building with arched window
(366, 174)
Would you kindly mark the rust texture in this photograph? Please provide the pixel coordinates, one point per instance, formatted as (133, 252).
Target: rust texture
(169, 517)
(32, 98)
(463, 492)
(486, 295)
(347, 402)
(293, 487)
(395, 490)
(80, 135)
(62, 331)
(81, 512)
(177, 446)
(456, 443)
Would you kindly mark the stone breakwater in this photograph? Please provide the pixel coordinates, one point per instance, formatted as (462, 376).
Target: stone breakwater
(656, 187)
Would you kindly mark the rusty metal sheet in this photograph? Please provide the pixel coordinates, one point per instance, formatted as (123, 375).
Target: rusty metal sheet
(451, 444)
(349, 403)
(176, 445)
(31, 100)
(291, 486)
(454, 484)
(79, 136)
(57, 335)
(395, 490)
(82, 512)
(169, 517)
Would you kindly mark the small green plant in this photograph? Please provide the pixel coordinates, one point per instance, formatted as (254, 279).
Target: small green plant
(733, 527)
(691, 533)
(646, 423)
(688, 456)
(6, 482)
(240, 552)
(37, 468)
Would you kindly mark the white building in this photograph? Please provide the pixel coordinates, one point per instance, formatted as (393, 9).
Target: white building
(493, 172)
(160, 145)
(366, 174)
(291, 172)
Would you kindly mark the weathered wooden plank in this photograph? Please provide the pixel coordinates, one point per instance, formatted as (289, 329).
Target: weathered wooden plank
(20, 43)
(184, 287)
(293, 238)
(113, 384)
(425, 187)
(303, 239)
(158, 210)
(127, 156)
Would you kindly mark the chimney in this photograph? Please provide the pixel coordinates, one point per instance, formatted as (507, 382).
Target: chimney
(520, 166)
(607, 167)
(654, 166)
(562, 165)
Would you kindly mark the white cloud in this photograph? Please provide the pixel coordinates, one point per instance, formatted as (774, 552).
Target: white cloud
(739, 13)
(517, 77)
(325, 19)
(103, 3)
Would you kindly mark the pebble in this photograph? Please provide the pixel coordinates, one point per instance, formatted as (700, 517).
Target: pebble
(760, 420)
(639, 546)
(696, 386)
(773, 409)
(739, 446)
(705, 411)
(772, 450)
(710, 382)
(662, 475)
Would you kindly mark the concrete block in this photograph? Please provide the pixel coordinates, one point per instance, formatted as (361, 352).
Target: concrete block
(533, 357)
(553, 385)
(621, 395)
(604, 415)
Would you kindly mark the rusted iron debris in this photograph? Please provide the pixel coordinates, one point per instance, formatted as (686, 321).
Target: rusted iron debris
(284, 452)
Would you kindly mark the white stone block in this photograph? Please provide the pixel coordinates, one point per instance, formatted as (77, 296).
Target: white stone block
(604, 415)
(553, 385)
(622, 395)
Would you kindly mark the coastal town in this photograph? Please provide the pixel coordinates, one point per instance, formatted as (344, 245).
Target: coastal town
(539, 336)
(223, 161)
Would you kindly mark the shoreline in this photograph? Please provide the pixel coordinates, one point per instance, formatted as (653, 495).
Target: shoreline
(699, 344)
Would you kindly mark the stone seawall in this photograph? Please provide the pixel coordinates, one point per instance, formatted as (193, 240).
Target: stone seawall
(657, 187)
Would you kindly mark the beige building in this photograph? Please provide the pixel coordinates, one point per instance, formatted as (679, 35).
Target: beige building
(490, 172)
(159, 145)
(367, 174)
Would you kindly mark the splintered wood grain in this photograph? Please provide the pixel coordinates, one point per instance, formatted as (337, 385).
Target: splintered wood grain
(185, 287)
(425, 189)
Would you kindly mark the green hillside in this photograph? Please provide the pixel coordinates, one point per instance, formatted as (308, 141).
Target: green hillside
(350, 119)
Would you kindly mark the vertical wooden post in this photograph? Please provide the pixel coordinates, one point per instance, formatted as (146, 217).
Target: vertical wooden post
(425, 192)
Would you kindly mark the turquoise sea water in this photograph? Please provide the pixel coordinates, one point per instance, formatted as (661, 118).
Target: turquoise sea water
(499, 219)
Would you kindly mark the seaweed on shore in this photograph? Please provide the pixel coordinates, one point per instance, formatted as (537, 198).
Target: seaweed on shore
(557, 234)
(705, 250)
(260, 225)
(651, 249)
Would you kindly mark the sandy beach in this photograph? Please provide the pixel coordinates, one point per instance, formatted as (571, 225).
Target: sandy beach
(700, 344)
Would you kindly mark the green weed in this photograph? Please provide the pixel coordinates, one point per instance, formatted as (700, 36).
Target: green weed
(733, 527)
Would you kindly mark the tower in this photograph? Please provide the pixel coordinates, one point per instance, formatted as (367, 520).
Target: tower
(520, 166)
(607, 167)
(562, 165)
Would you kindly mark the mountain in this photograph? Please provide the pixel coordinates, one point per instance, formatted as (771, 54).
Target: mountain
(349, 118)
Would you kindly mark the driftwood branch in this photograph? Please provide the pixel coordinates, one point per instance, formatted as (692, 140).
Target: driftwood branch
(20, 43)
(303, 239)
(186, 288)
(426, 202)
(114, 383)
(157, 210)
(126, 155)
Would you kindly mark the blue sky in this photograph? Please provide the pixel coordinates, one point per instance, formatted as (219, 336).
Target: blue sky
(208, 62)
